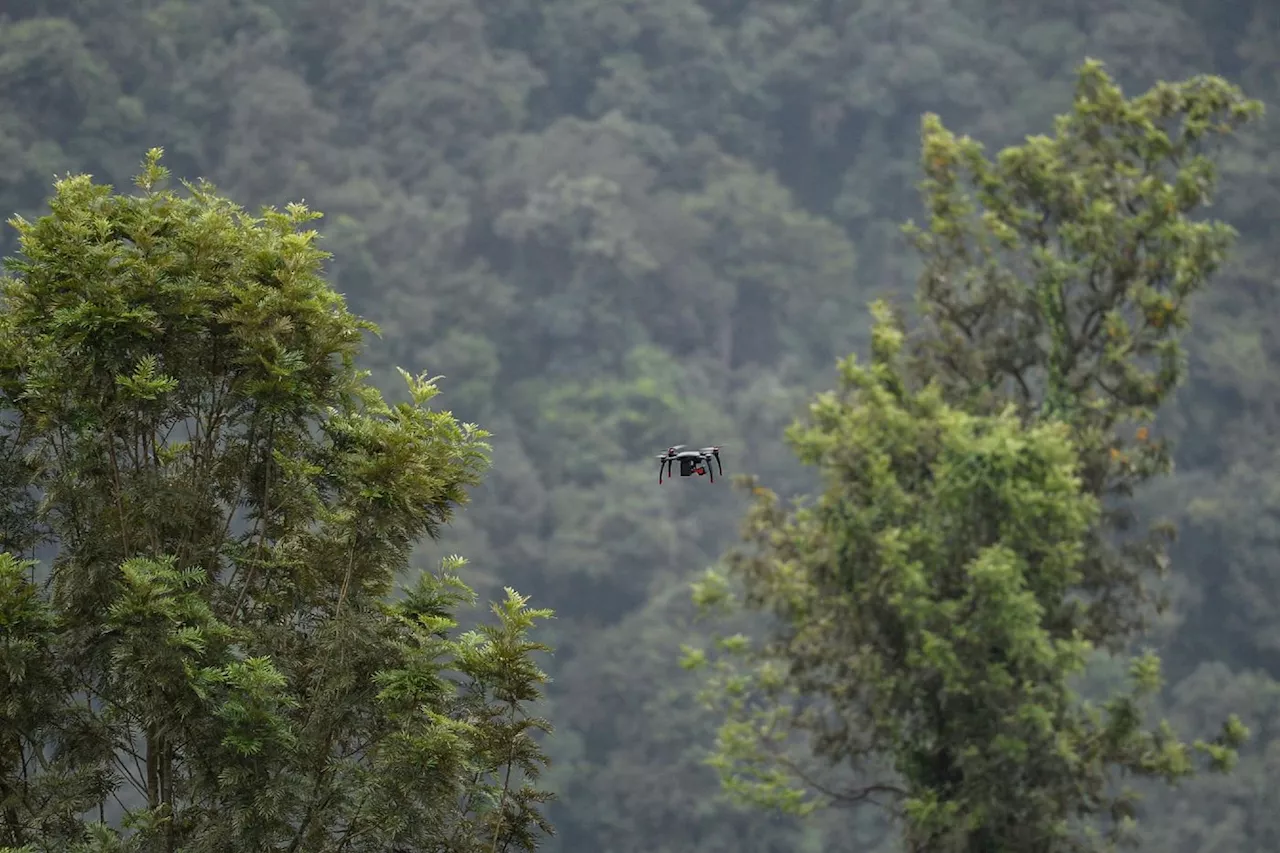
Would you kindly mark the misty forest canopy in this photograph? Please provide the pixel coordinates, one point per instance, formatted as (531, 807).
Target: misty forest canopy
(173, 366)
(228, 590)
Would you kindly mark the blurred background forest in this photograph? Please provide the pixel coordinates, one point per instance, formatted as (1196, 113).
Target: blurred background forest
(614, 225)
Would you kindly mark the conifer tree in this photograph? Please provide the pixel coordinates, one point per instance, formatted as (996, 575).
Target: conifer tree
(223, 505)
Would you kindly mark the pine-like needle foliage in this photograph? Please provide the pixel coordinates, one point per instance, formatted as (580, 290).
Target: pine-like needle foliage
(215, 654)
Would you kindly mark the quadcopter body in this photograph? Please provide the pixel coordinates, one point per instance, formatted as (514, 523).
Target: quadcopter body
(691, 462)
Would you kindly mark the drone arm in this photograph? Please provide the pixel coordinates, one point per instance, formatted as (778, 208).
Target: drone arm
(716, 454)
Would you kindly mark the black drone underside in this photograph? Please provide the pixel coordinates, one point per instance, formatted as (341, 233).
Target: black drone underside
(691, 461)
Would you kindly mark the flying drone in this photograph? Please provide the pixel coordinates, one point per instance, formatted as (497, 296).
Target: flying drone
(691, 461)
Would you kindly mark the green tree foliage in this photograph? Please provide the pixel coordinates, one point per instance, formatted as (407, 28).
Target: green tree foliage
(229, 503)
(1059, 277)
(937, 604)
(437, 135)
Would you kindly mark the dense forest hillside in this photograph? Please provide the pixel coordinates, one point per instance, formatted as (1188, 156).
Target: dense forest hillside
(615, 226)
